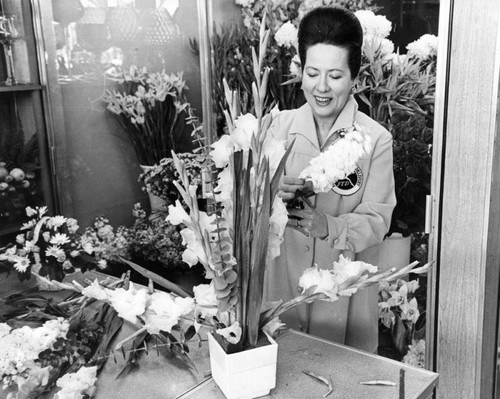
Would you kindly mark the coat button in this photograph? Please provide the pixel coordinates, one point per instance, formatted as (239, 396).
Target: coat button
(307, 248)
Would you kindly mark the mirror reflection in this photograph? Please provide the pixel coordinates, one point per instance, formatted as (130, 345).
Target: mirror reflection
(84, 134)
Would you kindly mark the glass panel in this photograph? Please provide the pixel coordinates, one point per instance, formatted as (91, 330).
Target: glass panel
(97, 43)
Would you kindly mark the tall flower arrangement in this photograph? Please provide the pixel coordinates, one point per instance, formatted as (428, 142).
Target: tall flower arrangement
(233, 243)
(152, 109)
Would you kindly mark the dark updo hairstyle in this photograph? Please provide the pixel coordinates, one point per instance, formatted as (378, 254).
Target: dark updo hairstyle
(332, 25)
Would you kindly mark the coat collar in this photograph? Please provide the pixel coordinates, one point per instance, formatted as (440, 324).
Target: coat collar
(303, 122)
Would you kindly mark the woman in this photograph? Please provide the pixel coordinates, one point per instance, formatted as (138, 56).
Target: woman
(355, 215)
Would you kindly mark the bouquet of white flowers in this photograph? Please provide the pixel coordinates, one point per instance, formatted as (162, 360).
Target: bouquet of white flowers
(50, 246)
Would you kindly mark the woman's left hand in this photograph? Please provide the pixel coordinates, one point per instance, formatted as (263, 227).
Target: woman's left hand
(309, 221)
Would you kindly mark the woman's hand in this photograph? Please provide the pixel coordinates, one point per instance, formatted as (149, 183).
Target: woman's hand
(309, 221)
(290, 185)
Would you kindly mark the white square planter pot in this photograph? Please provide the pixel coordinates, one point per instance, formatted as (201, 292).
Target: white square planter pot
(244, 375)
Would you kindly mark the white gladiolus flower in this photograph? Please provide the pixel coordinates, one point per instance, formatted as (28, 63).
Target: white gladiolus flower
(231, 333)
(274, 150)
(177, 214)
(95, 290)
(245, 128)
(164, 311)
(194, 252)
(423, 48)
(206, 300)
(222, 150)
(346, 270)
(374, 25)
(338, 161)
(319, 281)
(128, 303)
(277, 225)
(190, 257)
(286, 36)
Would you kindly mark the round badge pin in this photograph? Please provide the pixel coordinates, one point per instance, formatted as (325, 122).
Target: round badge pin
(351, 185)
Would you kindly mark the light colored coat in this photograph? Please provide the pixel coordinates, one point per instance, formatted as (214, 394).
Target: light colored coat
(356, 223)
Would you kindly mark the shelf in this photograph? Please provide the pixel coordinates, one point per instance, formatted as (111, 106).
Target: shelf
(16, 88)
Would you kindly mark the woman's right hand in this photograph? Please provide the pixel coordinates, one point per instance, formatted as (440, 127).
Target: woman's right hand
(288, 187)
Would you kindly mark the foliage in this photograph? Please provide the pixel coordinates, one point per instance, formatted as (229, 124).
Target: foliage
(398, 92)
(75, 342)
(416, 354)
(158, 180)
(400, 312)
(153, 242)
(50, 246)
(152, 109)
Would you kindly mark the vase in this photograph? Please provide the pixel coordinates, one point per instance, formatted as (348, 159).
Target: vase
(156, 203)
(244, 375)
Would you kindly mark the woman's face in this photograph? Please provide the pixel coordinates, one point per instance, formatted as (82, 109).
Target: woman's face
(326, 81)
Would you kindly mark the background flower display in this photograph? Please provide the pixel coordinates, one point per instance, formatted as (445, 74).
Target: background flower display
(49, 246)
(19, 167)
(154, 243)
(398, 92)
(159, 179)
(401, 312)
(152, 110)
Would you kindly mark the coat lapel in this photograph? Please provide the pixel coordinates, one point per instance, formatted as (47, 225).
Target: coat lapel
(303, 123)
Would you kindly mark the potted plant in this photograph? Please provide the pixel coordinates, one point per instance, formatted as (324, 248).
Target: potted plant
(158, 180)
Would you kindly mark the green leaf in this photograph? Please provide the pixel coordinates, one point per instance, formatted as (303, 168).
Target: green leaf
(159, 280)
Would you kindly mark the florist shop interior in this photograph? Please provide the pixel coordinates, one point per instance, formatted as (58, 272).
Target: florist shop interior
(141, 209)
